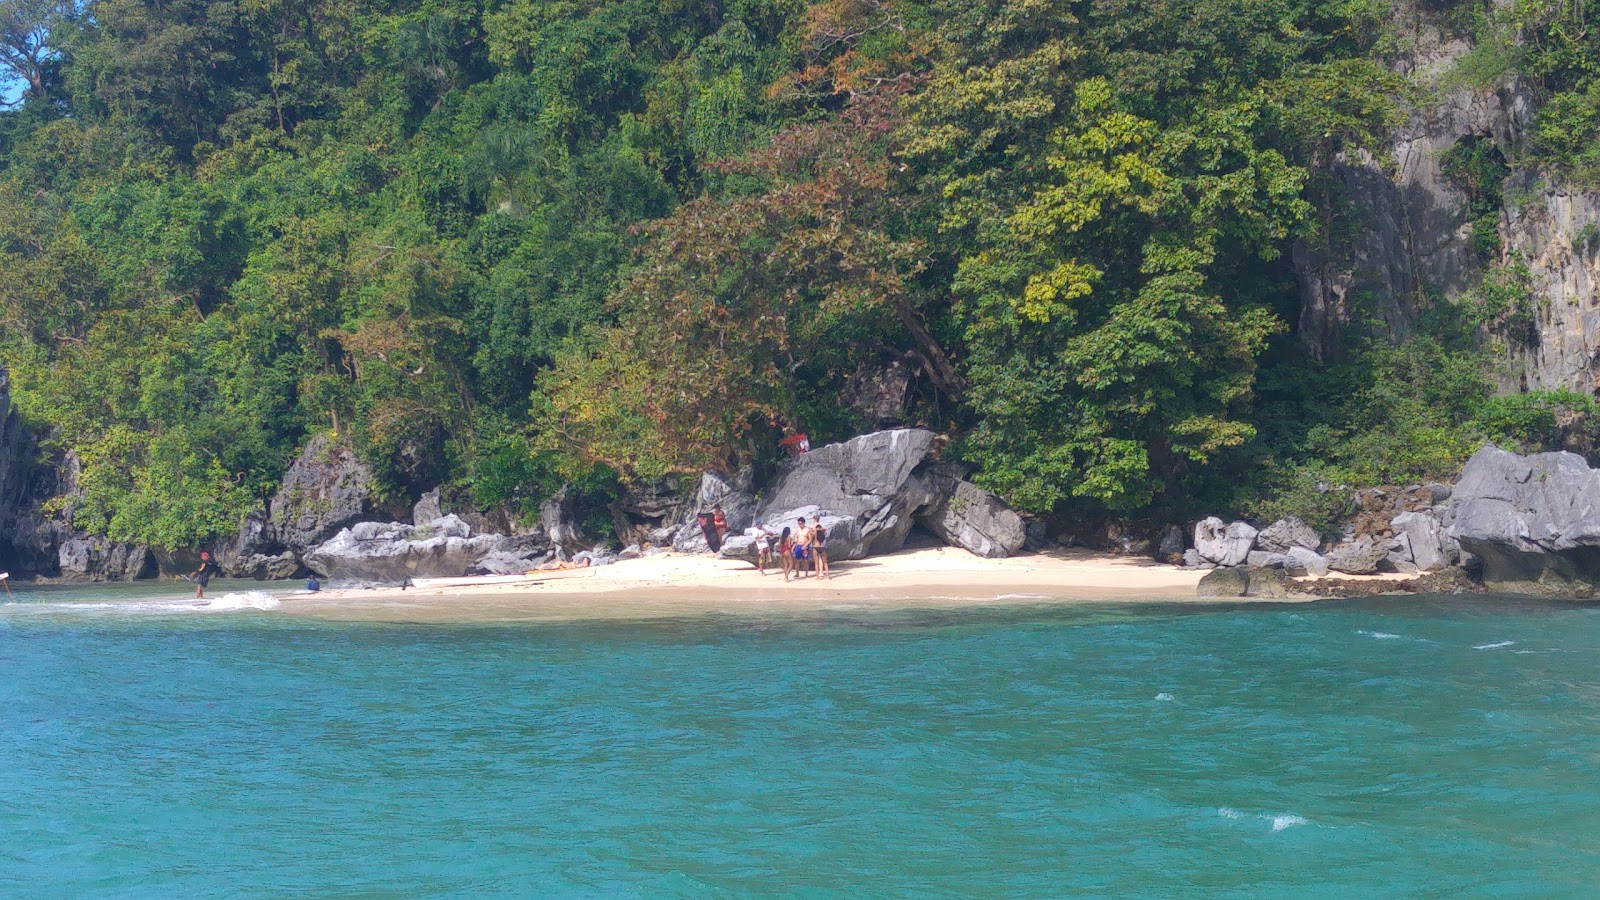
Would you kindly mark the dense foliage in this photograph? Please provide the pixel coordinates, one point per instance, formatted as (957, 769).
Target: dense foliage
(498, 245)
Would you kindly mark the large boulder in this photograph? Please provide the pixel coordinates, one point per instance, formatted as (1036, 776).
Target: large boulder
(445, 547)
(844, 534)
(650, 509)
(558, 516)
(1533, 521)
(96, 558)
(1224, 582)
(968, 516)
(1223, 544)
(326, 489)
(736, 497)
(1359, 557)
(1426, 541)
(872, 479)
(1287, 533)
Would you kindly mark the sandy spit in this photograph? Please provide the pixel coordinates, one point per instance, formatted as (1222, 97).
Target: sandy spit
(672, 585)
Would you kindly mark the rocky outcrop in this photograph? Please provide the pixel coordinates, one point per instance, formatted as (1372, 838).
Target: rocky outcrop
(1533, 521)
(877, 394)
(844, 535)
(388, 552)
(1554, 236)
(326, 489)
(735, 495)
(96, 558)
(650, 510)
(1283, 535)
(967, 516)
(872, 479)
(1411, 235)
(1359, 557)
(1222, 544)
(1230, 582)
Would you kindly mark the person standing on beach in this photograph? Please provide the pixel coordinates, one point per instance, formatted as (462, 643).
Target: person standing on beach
(202, 576)
(819, 546)
(785, 549)
(802, 546)
(719, 521)
(763, 543)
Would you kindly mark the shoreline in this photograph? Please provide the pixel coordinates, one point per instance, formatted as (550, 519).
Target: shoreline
(673, 585)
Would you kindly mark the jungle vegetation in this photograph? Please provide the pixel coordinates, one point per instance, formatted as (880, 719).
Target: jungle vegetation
(500, 245)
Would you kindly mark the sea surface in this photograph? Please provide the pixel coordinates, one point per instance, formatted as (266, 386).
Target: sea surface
(1429, 746)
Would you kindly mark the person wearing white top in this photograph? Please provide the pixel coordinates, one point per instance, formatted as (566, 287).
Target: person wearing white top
(763, 538)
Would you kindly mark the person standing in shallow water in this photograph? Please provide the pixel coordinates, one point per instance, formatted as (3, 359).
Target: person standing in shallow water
(202, 576)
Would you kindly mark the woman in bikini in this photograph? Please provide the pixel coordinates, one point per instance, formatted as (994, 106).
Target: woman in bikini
(785, 552)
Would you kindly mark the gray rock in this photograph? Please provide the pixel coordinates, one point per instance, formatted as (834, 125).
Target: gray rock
(1439, 492)
(96, 558)
(326, 489)
(1223, 545)
(1171, 549)
(1287, 533)
(1261, 559)
(1532, 521)
(738, 501)
(1038, 536)
(1429, 545)
(1224, 582)
(391, 551)
(878, 393)
(844, 534)
(558, 516)
(1360, 557)
(871, 479)
(967, 516)
(1271, 584)
(650, 509)
(1309, 560)
(428, 508)
(1192, 560)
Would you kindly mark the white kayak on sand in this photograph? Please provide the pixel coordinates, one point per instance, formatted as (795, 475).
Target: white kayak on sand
(478, 580)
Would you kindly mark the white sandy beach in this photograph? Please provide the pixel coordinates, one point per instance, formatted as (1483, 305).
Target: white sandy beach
(672, 584)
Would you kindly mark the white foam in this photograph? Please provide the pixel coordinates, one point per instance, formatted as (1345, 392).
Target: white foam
(1380, 635)
(1163, 696)
(1279, 823)
(1494, 646)
(245, 600)
(1228, 812)
(233, 602)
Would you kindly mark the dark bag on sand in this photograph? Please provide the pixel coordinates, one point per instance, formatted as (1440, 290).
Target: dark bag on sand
(708, 527)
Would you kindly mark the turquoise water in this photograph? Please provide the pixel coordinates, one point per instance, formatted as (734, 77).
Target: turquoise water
(1419, 746)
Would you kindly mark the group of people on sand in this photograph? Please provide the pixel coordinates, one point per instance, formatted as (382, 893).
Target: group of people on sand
(797, 547)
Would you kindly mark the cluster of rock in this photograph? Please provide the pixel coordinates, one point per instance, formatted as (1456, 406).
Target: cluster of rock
(1395, 530)
(443, 547)
(1413, 541)
(871, 490)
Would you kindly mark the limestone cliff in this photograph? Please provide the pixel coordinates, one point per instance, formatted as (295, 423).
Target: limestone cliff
(13, 476)
(1404, 232)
